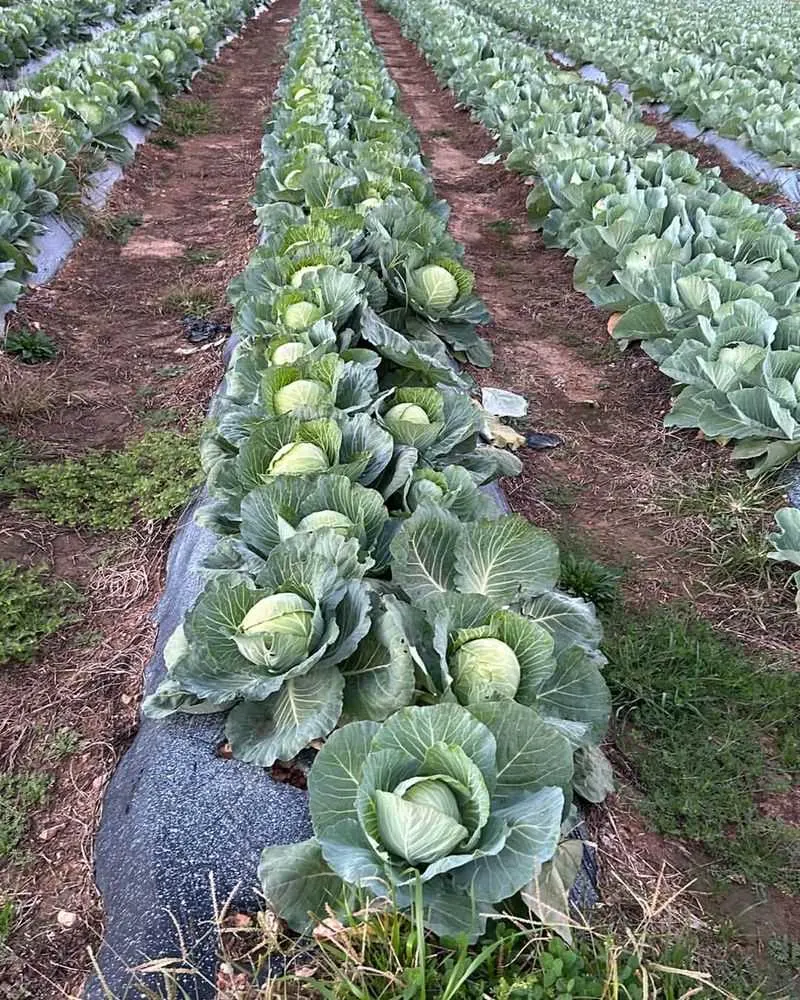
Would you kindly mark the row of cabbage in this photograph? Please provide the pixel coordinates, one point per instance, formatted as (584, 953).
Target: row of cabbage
(28, 30)
(730, 68)
(703, 277)
(363, 588)
(69, 117)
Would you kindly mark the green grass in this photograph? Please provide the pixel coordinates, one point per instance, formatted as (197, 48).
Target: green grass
(149, 480)
(162, 417)
(585, 577)
(710, 729)
(20, 795)
(384, 955)
(32, 606)
(172, 371)
(186, 116)
(7, 914)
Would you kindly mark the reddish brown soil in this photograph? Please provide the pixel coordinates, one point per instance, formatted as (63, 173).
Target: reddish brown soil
(115, 336)
(606, 484)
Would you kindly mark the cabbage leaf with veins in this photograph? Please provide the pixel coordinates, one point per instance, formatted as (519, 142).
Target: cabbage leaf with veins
(458, 808)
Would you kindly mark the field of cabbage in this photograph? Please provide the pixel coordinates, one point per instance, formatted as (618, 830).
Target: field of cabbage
(68, 118)
(727, 66)
(366, 593)
(361, 577)
(705, 279)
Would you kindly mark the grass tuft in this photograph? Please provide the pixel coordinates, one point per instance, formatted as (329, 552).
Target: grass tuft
(198, 256)
(118, 228)
(187, 116)
(187, 299)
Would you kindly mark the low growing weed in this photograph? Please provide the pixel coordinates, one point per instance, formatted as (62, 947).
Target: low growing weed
(118, 228)
(380, 955)
(32, 606)
(185, 116)
(30, 346)
(148, 480)
(20, 795)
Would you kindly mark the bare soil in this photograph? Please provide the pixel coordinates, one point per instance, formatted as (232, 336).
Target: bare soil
(122, 357)
(607, 484)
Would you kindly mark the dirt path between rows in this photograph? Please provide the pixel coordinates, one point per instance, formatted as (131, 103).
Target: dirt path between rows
(119, 369)
(608, 481)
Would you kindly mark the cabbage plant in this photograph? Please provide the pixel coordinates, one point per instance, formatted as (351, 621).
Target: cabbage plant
(244, 451)
(292, 505)
(318, 385)
(494, 628)
(453, 809)
(443, 425)
(274, 642)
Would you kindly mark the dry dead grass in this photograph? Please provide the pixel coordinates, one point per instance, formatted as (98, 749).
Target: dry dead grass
(28, 390)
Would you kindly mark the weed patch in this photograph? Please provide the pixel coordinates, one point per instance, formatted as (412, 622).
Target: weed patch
(710, 731)
(733, 514)
(32, 606)
(149, 480)
(197, 256)
(20, 795)
(371, 956)
(118, 228)
(190, 300)
(503, 227)
(186, 116)
(31, 347)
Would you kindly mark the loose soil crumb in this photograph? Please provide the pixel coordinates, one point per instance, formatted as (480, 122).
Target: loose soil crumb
(122, 364)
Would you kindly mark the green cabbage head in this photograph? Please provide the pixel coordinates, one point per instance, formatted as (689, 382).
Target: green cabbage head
(433, 286)
(462, 805)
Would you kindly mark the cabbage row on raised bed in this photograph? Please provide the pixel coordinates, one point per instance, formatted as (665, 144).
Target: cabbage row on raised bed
(727, 66)
(69, 116)
(28, 29)
(706, 279)
(362, 580)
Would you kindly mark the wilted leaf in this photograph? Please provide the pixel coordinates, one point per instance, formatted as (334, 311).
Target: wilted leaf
(547, 894)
